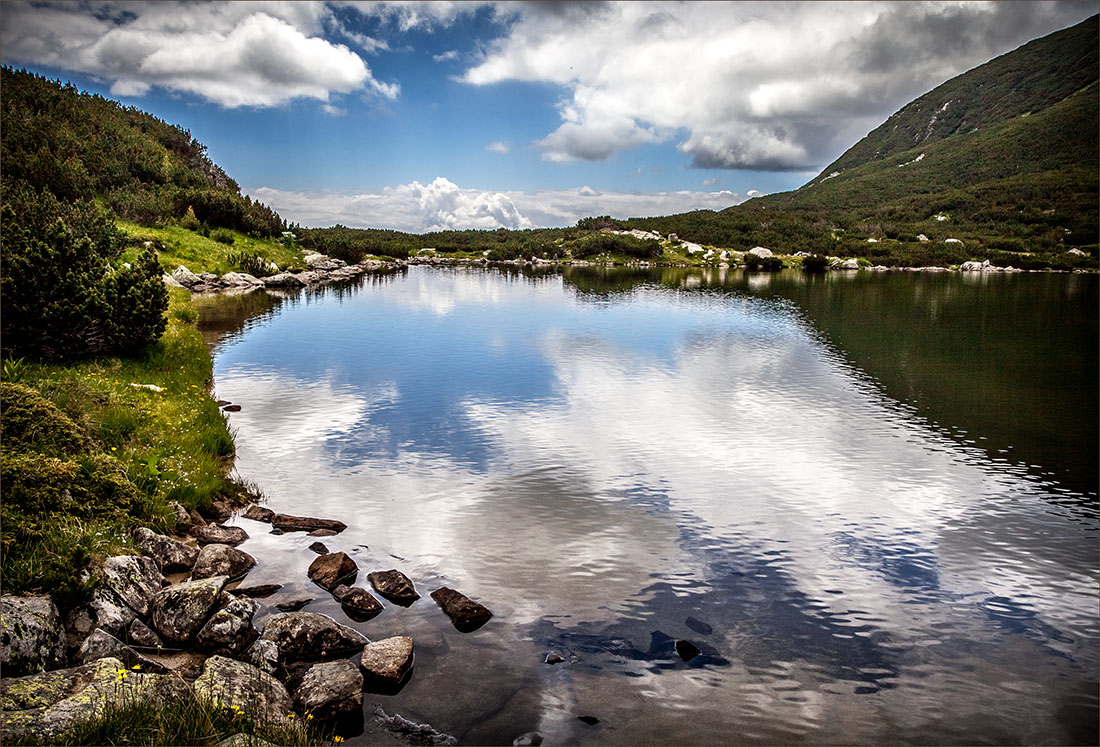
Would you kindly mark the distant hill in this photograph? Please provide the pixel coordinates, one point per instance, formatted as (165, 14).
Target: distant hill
(1003, 157)
(81, 146)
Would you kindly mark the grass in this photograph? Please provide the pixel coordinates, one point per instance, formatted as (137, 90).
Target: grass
(87, 456)
(198, 253)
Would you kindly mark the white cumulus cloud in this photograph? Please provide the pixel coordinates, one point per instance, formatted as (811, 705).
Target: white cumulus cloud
(443, 205)
(234, 54)
(775, 86)
(498, 147)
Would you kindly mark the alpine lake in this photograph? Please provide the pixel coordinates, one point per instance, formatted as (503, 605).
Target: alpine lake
(867, 500)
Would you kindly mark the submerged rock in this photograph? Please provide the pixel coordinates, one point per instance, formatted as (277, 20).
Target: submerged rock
(687, 650)
(410, 731)
(293, 605)
(289, 523)
(330, 689)
(308, 636)
(32, 638)
(180, 611)
(465, 613)
(218, 534)
(331, 570)
(222, 560)
(394, 585)
(171, 556)
(256, 592)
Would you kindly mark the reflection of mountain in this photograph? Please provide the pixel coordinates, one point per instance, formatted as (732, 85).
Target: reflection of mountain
(1008, 362)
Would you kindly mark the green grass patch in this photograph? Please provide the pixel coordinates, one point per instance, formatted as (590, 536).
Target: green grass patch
(86, 455)
(179, 246)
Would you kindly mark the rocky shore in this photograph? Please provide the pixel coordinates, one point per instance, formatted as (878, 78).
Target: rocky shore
(144, 638)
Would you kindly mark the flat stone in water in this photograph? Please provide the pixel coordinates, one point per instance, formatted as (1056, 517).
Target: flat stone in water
(293, 605)
(259, 513)
(320, 548)
(331, 570)
(394, 585)
(256, 592)
(698, 626)
(687, 650)
(323, 533)
(291, 523)
(466, 614)
(217, 534)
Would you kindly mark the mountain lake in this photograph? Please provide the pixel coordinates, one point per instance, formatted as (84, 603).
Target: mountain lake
(867, 500)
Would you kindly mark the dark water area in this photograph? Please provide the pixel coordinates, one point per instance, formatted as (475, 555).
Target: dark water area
(868, 500)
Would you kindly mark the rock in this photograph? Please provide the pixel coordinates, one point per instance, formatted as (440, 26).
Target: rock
(141, 634)
(529, 739)
(922, 238)
(276, 531)
(320, 548)
(331, 570)
(79, 623)
(265, 655)
(196, 519)
(590, 720)
(698, 626)
(308, 636)
(240, 280)
(101, 645)
(170, 281)
(293, 605)
(183, 518)
(359, 600)
(244, 740)
(554, 658)
(218, 534)
(322, 262)
(971, 266)
(386, 662)
(232, 408)
(180, 611)
(952, 241)
(846, 264)
(322, 533)
(32, 638)
(256, 592)
(170, 555)
(687, 650)
(258, 513)
(134, 579)
(283, 280)
(465, 613)
(44, 706)
(185, 277)
(761, 251)
(289, 523)
(230, 628)
(1077, 252)
(411, 732)
(222, 560)
(235, 683)
(394, 585)
(219, 511)
(111, 613)
(330, 689)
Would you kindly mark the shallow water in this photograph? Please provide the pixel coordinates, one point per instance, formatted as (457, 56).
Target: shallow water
(795, 474)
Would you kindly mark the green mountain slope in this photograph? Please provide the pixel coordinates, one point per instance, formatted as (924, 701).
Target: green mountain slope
(1009, 165)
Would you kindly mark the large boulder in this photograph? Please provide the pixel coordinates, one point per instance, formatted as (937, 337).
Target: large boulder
(222, 560)
(44, 706)
(283, 280)
(240, 280)
(171, 556)
(218, 534)
(309, 636)
(386, 662)
(32, 638)
(101, 645)
(289, 523)
(330, 689)
(111, 613)
(323, 262)
(135, 579)
(230, 628)
(230, 683)
(394, 586)
(465, 613)
(761, 251)
(180, 611)
(330, 570)
(185, 277)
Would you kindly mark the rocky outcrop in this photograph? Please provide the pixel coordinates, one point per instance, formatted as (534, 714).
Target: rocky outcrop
(185, 277)
(180, 611)
(32, 638)
(229, 630)
(465, 613)
(394, 586)
(44, 706)
(218, 534)
(222, 560)
(330, 689)
(386, 662)
(308, 636)
(134, 579)
(171, 556)
(289, 523)
(331, 570)
(232, 683)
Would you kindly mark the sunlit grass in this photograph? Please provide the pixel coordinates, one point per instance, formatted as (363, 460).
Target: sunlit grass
(201, 254)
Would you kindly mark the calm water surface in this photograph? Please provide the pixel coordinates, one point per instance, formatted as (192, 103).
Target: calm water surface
(869, 500)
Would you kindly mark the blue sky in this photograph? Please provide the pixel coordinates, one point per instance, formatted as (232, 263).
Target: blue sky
(422, 116)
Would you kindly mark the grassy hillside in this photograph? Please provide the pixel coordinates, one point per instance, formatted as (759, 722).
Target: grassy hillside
(1009, 167)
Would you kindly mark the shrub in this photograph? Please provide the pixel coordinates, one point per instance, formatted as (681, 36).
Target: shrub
(223, 236)
(767, 264)
(608, 243)
(815, 263)
(253, 263)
